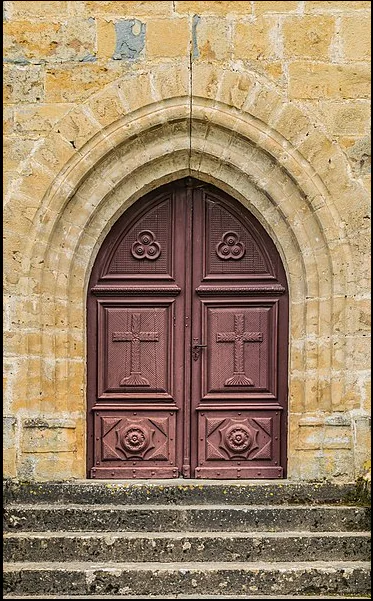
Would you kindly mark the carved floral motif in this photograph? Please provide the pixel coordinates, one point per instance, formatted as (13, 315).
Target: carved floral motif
(146, 246)
(230, 247)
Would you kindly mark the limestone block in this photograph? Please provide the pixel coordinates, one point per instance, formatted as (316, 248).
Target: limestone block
(32, 9)
(346, 118)
(336, 5)
(123, 8)
(23, 83)
(322, 81)
(167, 38)
(8, 120)
(37, 181)
(50, 42)
(34, 120)
(234, 88)
(170, 83)
(359, 154)
(213, 39)
(75, 83)
(255, 40)
(15, 152)
(107, 107)
(136, 91)
(356, 37)
(55, 152)
(223, 8)
(78, 128)
(308, 36)
(205, 80)
(46, 437)
(269, 6)
(50, 466)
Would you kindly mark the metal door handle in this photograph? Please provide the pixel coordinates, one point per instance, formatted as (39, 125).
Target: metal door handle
(196, 350)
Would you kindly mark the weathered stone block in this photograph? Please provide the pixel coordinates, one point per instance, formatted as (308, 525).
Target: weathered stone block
(336, 5)
(123, 9)
(322, 81)
(269, 6)
(308, 37)
(215, 8)
(34, 120)
(23, 84)
(50, 42)
(213, 39)
(78, 82)
(47, 437)
(256, 40)
(31, 9)
(346, 118)
(356, 37)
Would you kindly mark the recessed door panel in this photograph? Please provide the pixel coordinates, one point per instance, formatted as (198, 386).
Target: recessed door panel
(135, 343)
(242, 349)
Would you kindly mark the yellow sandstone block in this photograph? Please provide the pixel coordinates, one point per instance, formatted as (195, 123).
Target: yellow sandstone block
(167, 38)
(127, 9)
(308, 36)
(269, 6)
(336, 5)
(215, 8)
(322, 80)
(253, 41)
(34, 9)
(356, 37)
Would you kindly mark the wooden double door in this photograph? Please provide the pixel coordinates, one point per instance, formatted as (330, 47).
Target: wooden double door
(187, 342)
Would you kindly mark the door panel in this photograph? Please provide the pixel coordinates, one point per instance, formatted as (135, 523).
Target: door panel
(187, 342)
(242, 349)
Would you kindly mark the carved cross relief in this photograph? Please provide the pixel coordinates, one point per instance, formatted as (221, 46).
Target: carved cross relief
(238, 338)
(135, 337)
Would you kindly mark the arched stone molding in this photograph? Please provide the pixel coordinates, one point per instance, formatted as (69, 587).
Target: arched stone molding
(237, 151)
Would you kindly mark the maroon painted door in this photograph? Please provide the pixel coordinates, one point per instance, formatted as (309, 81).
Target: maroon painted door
(187, 342)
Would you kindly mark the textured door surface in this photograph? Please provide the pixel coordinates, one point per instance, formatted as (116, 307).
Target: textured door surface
(187, 342)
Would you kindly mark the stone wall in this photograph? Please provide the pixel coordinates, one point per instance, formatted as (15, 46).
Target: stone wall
(104, 101)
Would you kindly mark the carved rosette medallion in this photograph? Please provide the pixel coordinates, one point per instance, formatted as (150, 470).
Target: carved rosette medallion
(146, 246)
(134, 439)
(230, 247)
(238, 438)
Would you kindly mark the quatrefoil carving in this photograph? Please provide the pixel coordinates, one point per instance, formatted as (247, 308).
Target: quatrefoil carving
(230, 247)
(146, 246)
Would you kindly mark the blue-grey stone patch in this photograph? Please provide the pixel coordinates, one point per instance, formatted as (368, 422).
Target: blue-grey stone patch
(130, 39)
(195, 51)
(89, 58)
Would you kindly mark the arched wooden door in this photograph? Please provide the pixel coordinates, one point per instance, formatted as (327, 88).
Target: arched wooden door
(187, 342)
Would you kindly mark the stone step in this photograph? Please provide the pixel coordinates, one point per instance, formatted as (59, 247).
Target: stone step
(283, 578)
(180, 491)
(158, 518)
(186, 546)
(327, 597)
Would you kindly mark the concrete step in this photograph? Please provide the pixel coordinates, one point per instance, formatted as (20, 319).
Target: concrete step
(158, 518)
(186, 546)
(180, 491)
(236, 578)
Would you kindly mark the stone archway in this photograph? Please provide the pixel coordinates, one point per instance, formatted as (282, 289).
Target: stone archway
(235, 141)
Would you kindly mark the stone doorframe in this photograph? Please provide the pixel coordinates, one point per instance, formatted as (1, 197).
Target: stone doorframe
(246, 139)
